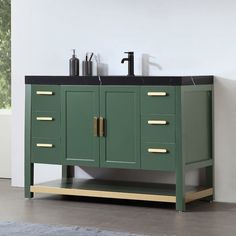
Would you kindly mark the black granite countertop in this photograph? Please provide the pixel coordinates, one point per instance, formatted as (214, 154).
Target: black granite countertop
(120, 80)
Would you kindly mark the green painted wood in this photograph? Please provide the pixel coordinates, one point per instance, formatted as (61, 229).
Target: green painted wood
(45, 154)
(180, 162)
(126, 109)
(199, 164)
(158, 133)
(48, 129)
(29, 168)
(210, 180)
(120, 106)
(80, 104)
(46, 102)
(158, 161)
(158, 105)
(197, 123)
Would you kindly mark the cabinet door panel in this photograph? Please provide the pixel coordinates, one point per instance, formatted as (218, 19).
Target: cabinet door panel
(120, 106)
(80, 104)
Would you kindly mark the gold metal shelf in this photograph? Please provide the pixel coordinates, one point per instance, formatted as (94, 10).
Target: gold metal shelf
(120, 190)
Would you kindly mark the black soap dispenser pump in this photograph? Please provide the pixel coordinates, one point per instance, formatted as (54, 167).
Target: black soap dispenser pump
(74, 65)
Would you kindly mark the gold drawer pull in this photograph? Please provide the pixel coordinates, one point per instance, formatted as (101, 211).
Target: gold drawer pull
(49, 93)
(157, 150)
(101, 127)
(44, 118)
(157, 122)
(45, 145)
(95, 126)
(156, 94)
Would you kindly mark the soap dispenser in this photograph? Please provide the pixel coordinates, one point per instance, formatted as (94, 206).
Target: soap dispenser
(74, 65)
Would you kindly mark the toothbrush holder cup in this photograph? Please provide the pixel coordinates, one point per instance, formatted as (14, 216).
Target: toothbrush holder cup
(87, 68)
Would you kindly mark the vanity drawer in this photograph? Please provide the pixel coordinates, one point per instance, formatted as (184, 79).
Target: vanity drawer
(157, 99)
(45, 150)
(45, 97)
(157, 156)
(46, 124)
(159, 128)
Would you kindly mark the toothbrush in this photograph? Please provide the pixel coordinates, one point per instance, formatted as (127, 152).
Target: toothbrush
(91, 57)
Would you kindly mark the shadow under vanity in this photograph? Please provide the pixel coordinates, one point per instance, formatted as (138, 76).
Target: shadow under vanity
(137, 122)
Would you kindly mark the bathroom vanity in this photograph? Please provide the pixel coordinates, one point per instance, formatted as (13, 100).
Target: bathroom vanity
(133, 122)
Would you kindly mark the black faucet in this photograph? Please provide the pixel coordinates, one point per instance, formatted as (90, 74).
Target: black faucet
(130, 60)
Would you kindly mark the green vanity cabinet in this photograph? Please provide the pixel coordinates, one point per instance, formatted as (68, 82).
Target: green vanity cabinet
(143, 123)
(120, 108)
(80, 106)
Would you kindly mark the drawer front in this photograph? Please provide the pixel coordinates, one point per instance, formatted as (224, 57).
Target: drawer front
(159, 128)
(45, 97)
(46, 124)
(157, 99)
(157, 156)
(45, 150)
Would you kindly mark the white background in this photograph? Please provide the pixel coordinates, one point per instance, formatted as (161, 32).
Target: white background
(5, 139)
(184, 37)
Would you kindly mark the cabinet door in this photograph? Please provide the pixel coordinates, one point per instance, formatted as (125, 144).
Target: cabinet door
(80, 105)
(120, 107)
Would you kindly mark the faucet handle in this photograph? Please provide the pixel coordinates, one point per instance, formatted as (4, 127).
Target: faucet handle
(129, 52)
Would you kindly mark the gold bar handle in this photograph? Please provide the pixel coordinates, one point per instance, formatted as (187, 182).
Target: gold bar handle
(157, 122)
(44, 145)
(101, 127)
(156, 94)
(157, 150)
(95, 126)
(43, 118)
(48, 93)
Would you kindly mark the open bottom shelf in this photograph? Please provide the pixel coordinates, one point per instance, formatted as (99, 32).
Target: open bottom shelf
(120, 190)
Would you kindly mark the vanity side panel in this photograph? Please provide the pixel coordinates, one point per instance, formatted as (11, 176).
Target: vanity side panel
(197, 123)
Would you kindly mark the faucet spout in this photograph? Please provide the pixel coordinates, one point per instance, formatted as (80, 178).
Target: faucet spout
(130, 60)
(124, 59)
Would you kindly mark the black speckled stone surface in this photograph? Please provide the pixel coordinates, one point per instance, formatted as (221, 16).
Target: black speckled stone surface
(120, 80)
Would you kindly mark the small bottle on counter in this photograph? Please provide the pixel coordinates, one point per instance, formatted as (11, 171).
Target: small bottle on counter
(74, 65)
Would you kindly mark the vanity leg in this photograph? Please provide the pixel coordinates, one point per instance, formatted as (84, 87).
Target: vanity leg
(68, 172)
(180, 191)
(29, 179)
(209, 182)
(29, 167)
(180, 162)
